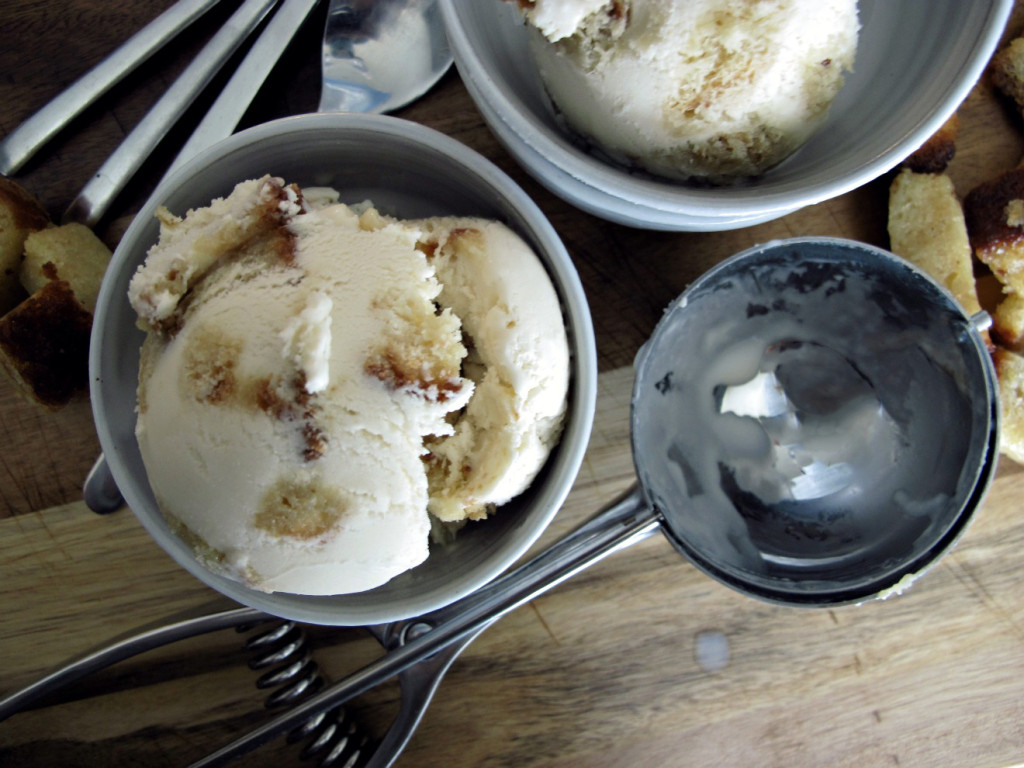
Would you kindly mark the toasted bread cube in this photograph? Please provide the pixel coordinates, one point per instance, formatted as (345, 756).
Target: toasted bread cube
(72, 253)
(1007, 68)
(1008, 321)
(994, 211)
(936, 153)
(44, 345)
(927, 228)
(1010, 371)
(20, 215)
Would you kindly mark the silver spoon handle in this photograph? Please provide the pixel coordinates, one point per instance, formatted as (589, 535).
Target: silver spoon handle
(222, 117)
(94, 199)
(622, 524)
(19, 146)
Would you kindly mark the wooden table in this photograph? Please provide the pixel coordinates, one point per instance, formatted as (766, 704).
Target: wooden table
(606, 670)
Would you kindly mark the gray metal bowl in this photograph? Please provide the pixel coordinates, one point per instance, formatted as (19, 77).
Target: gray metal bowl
(406, 170)
(916, 62)
(816, 421)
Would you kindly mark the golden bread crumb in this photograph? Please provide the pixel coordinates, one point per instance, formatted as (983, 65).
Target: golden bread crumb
(72, 253)
(20, 215)
(927, 228)
(44, 345)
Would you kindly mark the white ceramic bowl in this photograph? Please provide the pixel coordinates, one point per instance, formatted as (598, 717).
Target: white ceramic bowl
(916, 62)
(406, 170)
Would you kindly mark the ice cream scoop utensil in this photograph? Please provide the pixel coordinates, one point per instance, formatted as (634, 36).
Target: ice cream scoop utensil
(277, 651)
(166, 631)
(378, 55)
(22, 143)
(623, 523)
(885, 444)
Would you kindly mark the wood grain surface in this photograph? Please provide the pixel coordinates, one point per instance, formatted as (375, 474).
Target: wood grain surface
(639, 661)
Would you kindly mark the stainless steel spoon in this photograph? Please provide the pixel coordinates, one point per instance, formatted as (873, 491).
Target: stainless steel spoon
(379, 55)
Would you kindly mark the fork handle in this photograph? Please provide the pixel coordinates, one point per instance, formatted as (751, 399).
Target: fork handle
(23, 142)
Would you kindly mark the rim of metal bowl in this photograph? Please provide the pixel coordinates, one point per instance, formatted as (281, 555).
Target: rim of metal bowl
(700, 208)
(583, 386)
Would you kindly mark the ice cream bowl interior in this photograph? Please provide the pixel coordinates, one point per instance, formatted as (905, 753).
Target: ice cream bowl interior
(816, 422)
(915, 64)
(406, 170)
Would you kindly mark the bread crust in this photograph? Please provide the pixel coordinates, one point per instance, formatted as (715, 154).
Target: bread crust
(44, 345)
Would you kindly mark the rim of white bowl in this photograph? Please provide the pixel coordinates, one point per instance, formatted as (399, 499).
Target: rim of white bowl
(741, 202)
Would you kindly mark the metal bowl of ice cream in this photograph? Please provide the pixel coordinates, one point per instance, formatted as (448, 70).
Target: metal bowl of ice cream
(914, 64)
(816, 421)
(407, 171)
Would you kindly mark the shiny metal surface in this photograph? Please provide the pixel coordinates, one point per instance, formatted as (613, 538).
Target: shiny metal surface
(379, 55)
(838, 430)
(21, 144)
(97, 195)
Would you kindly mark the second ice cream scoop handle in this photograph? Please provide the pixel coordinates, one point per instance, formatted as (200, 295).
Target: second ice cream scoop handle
(623, 523)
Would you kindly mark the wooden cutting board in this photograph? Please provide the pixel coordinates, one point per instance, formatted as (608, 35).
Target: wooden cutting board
(639, 661)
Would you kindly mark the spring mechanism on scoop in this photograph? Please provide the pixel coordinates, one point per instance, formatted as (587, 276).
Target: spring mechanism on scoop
(282, 653)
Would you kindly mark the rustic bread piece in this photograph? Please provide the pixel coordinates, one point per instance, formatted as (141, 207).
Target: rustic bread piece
(927, 228)
(935, 154)
(994, 212)
(1008, 321)
(1007, 69)
(72, 253)
(20, 215)
(44, 345)
(1010, 370)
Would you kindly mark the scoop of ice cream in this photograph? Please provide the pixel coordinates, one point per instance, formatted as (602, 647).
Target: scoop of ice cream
(301, 371)
(712, 89)
(558, 19)
(517, 360)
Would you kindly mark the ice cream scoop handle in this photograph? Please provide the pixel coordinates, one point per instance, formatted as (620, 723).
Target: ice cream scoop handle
(23, 142)
(138, 642)
(625, 522)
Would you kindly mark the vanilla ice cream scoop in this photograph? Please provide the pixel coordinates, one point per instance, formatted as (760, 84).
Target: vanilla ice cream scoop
(517, 361)
(301, 377)
(709, 89)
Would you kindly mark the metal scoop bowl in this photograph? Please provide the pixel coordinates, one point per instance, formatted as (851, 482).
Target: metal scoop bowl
(814, 422)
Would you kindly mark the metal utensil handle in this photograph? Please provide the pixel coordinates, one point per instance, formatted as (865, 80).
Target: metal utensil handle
(100, 492)
(622, 524)
(131, 645)
(23, 142)
(417, 684)
(94, 199)
(222, 117)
